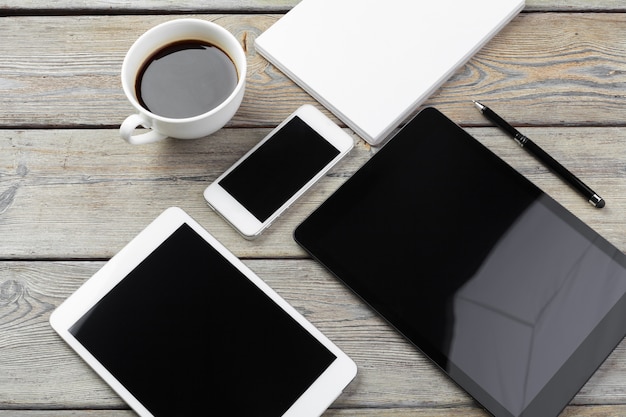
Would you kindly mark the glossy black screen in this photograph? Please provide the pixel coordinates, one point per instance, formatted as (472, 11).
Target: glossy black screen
(271, 175)
(510, 294)
(186, 332)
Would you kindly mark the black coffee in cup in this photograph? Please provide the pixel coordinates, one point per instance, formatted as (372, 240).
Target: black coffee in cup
(185, 79)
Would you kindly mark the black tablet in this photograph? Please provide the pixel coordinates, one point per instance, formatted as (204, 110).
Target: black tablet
(511, 295)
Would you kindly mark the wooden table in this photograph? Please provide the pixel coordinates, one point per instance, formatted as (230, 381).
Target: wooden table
(72, 193)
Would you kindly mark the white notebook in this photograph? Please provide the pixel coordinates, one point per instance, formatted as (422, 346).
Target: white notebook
(372, 63)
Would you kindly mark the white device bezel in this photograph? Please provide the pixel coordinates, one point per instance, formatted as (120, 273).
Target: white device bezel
(222, 202)
(314, 400)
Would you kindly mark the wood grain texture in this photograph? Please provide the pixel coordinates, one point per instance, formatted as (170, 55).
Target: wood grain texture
(90, 183)
(40, 372)
(123, 6)
(542, 69)
(547, 68)
(571, 411)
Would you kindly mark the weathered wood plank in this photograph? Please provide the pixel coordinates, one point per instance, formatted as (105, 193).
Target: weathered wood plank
(60, 189)
(71, 183)
(542, 69)
(67, 413)
(546, 68)
(238, 6)
(40, 371)
(571, 411)
(571, 5)
(152, 6)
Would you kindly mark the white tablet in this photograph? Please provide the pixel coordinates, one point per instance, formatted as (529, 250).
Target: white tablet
(175, 323)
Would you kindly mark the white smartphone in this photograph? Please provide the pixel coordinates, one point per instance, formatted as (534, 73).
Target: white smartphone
(252, 193)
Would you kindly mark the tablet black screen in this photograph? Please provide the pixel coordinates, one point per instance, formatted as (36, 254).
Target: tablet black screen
(512, 296)
(186, 332)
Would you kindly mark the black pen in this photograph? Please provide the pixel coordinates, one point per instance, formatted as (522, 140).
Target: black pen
(543, 156)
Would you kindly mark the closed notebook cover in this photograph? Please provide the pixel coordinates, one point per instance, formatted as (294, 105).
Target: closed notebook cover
(373, 63)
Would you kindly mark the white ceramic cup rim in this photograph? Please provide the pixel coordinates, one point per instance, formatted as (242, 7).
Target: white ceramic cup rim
(129, 79)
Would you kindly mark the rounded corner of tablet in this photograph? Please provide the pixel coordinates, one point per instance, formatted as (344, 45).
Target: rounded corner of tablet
(352, 370)
(174, 211)
(53, 320)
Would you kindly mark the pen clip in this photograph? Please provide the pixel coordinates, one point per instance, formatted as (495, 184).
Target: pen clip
(520, 139)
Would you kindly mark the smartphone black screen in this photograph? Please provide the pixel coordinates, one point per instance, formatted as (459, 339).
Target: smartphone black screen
(271, 175)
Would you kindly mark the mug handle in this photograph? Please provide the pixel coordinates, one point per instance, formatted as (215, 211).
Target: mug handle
(131, 123)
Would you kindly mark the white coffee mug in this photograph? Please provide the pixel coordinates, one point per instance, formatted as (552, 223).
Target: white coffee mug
(195, 127)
